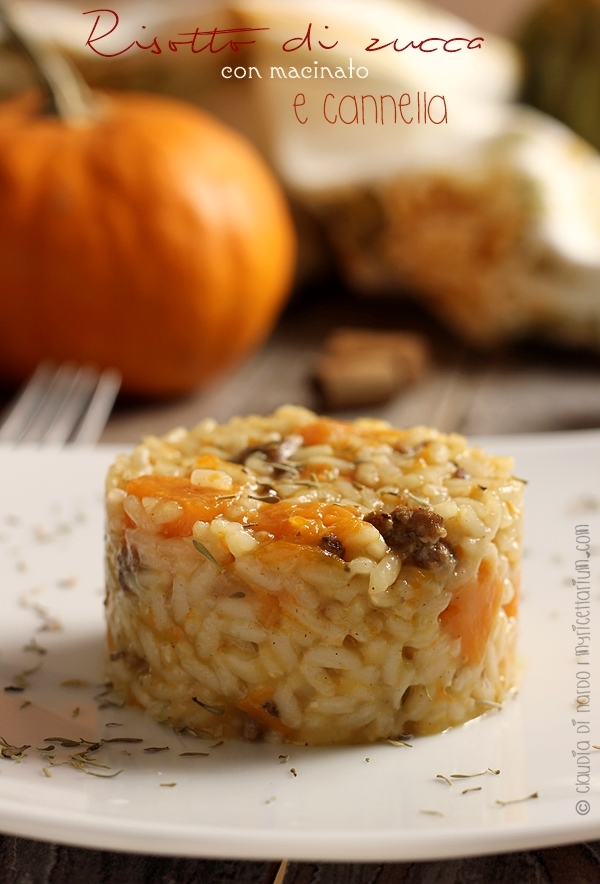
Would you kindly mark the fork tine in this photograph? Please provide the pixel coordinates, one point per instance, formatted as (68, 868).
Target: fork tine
(79, 386)
(90, 429)
(58, 401)
(27, 403)
(61, 387)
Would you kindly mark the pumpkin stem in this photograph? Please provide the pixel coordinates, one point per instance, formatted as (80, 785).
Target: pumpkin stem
(68, 96)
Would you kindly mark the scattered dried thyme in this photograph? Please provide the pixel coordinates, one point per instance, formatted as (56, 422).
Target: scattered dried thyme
(207, 554)
(517, 800)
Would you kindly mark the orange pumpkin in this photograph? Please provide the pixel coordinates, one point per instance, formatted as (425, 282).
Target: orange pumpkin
(151, 238)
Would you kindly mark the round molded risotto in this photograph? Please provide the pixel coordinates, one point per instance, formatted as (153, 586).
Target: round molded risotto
(311, 580)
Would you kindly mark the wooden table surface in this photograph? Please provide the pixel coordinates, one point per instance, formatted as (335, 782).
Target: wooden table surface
(528, 388)
(525, 389)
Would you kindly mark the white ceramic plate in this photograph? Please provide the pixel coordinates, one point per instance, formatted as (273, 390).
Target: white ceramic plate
(371, 803)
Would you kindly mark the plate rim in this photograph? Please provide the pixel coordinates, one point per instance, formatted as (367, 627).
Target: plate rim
(399, 844)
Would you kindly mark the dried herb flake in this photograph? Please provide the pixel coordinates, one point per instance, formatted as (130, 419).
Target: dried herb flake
(480, 773)
(207, 555)
(124, 740)
(216, 710)
(35, 647)
(15, 753)
(102, 776)
(517, 800)
(420, 500)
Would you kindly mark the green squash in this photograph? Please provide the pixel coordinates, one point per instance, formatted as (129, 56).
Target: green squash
(561, 46)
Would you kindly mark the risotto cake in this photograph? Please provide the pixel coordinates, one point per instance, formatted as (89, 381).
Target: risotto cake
(312, 580)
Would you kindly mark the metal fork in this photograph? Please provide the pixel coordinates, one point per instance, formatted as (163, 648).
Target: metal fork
(61, 404)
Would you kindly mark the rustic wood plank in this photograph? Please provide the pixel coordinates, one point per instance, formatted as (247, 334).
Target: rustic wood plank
(23, 861)
(515, 390)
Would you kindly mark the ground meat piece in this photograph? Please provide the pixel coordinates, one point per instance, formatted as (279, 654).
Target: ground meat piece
(332, 544)
(266, 494)
(271, 708)
(432, 556)
(118, 655)
(460, 473)
(275, 452)
(415, 534)
(128, 562)
(132, 660)
(252, 730)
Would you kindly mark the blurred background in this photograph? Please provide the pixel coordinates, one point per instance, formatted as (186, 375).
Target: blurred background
(500, 18)
(446, 273)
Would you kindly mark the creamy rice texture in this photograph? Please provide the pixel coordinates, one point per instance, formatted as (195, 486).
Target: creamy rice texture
(316, 581)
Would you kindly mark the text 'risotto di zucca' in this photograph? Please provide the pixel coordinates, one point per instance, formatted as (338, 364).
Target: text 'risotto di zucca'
(311, 580)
